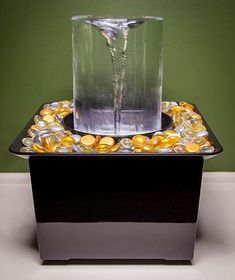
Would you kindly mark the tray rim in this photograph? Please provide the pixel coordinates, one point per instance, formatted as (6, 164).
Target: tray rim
(14, 147)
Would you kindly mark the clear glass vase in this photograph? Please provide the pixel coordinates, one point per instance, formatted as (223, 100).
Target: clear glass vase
(117, 74)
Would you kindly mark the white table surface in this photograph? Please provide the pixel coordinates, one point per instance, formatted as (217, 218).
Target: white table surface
(214, 256)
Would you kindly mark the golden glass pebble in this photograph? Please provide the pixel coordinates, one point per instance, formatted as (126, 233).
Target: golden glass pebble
(38, 148)
(60, 110)
(202, 127)
(168, 133)
(206, 144)
(159, 137)
(107, 141)
(114, 148)
(147, 148)
(35, 127)
(177, 109)
(102, 148)
(54, 146)
(188, 134)
(51, 124)
(197, 127)
(176, 138)
(154, 141)
(192, 116)
(167, 143)
(67, 141)
(192, 148)
(65, 113)
(139, 141)
(46, 111)
(45, 143)
(172, 134)
(65, 103)
(48, 118)
(88, 141)
(137, 150)
(185, 104)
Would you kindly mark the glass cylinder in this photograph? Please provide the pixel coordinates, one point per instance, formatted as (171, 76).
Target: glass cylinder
(117, 74)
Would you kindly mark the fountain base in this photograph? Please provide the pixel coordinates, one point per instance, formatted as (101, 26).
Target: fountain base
(68, 123)
(122, 206)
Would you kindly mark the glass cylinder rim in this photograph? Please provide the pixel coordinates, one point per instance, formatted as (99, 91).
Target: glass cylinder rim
(84, 17)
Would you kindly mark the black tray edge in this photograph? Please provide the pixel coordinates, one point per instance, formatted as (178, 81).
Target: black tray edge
(14, 147)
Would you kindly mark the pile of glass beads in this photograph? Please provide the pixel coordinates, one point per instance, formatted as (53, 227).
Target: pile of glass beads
(48, 135)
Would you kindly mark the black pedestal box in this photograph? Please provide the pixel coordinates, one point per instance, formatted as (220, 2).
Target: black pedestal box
(116, 206)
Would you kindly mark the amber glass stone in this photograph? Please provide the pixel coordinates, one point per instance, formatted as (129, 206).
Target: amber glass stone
(88, 141)
(139, 140)
(192, 148)
(46, 111)
(67, 141)
(38, 148)
(107, 141)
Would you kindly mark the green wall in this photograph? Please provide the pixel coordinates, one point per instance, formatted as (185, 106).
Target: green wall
(199, 61)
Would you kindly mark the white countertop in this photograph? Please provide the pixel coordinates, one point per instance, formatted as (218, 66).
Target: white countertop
(214, 256)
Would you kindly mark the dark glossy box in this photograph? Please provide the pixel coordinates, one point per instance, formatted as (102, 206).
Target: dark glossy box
(116, 206)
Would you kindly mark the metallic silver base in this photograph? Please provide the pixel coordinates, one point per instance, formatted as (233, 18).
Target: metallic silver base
(114, 240)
